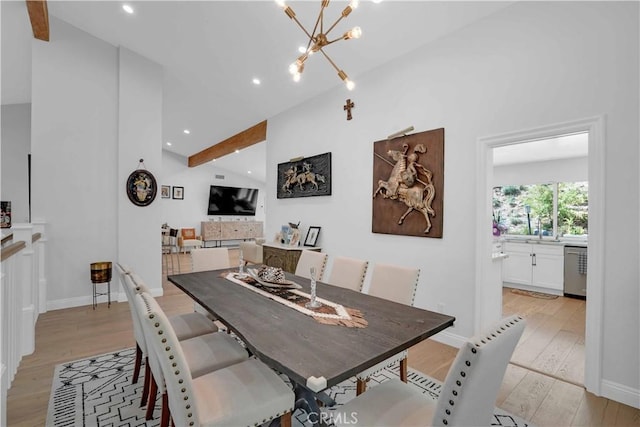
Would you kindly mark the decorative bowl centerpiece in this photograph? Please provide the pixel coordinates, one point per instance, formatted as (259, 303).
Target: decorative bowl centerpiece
(271, 274)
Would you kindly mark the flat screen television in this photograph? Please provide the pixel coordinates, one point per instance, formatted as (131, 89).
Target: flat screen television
(232, 200)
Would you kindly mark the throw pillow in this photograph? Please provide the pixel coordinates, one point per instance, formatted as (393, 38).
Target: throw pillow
(188, 233)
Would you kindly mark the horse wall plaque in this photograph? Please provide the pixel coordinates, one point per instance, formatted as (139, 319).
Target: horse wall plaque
(408, 184)
(309, 176)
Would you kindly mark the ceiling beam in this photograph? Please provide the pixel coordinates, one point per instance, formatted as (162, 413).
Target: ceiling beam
(39, 16)
(244, 139)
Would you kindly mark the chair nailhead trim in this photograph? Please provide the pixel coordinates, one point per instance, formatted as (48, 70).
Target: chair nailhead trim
(444, 422)
(474, 351)
(467, 363)
(458, 383)
(448, 412)
(455, 393)
(451, 402)
(184, 390)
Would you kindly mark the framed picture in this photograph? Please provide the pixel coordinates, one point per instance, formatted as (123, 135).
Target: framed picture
(312, 236)
(178, 193)
(408, 185)
(141, 187)
(305, 177)
(165, 192)
(5, 217)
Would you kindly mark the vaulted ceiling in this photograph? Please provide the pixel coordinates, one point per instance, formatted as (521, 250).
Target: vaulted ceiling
(211, 51)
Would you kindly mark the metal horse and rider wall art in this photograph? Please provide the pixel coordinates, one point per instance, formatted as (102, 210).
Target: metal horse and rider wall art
(304, 177)
(417, 166)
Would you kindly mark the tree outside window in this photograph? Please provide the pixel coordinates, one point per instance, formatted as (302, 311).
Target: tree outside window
(560, 208)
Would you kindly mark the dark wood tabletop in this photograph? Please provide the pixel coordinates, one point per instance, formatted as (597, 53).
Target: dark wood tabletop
(298, 346)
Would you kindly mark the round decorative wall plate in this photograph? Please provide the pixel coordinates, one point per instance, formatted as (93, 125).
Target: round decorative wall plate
(141, 187)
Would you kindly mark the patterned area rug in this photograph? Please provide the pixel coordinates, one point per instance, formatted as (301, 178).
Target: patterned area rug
(97, 391)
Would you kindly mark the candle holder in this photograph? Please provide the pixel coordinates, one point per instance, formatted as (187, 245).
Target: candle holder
(313, 303)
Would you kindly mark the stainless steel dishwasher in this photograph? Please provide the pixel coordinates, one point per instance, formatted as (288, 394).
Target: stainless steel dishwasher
(575, 271)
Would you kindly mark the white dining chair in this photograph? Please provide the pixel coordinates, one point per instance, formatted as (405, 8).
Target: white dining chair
(309, 259)
(206, 259)
(244, 394)
(348, 273)
(203, 354)
(187, 325)
(397, 284)
(467, 397)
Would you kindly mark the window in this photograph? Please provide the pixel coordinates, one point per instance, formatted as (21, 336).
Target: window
(554, 209)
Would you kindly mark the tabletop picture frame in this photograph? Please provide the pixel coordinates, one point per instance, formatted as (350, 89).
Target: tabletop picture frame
(312, 236)
(178, 193)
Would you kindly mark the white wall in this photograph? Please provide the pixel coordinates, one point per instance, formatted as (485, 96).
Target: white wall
(563, 170)
(74, 130)
(95, 112)
(140, 137)
(532, 64)
(16, 144)
(196, 181)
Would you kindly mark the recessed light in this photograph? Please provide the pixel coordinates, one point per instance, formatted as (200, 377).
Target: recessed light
(248, 171)
(256, 81)
(377, 1)
(168, 143)
(237, 151)
(187, 131)
(127, 8)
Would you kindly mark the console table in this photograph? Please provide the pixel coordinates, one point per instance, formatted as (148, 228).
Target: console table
(230, 230)
(284, 256)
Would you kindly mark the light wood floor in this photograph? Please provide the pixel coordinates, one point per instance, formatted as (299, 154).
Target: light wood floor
(75, 333)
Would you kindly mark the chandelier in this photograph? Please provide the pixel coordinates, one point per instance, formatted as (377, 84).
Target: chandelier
(318, 39)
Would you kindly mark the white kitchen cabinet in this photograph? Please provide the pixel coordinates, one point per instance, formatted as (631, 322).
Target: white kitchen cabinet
(535, 266)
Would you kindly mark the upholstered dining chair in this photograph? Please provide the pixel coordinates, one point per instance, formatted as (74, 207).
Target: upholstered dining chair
(209, 259)
(204, 354)
(186, 325)
(348, 273)
(247, 393)
(397, 284)
(467, 397)
(310, 259)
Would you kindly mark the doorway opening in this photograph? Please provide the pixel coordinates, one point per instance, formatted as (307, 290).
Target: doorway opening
(487, 312)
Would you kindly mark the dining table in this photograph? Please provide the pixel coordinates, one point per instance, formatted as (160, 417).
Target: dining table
(313, 355)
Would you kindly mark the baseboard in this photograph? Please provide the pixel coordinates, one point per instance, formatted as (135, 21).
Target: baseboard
(621, 393)
(448, 338)
(88, 300)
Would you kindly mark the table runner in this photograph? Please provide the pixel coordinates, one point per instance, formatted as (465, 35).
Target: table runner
(328, 313)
